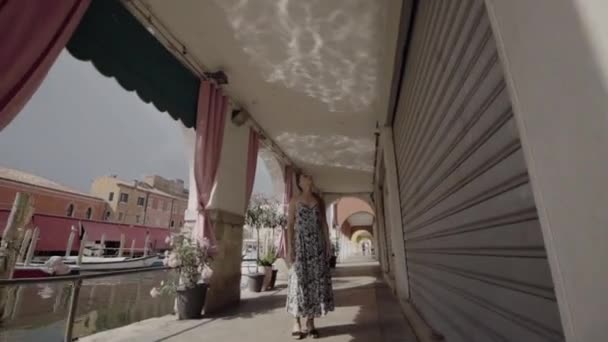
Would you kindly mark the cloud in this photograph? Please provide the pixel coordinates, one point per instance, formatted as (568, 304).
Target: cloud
(80, 125)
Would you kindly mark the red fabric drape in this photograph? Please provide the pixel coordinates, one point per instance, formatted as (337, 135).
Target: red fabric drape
(282, 249)
(252, 162)
(210, 120)
(32, 34)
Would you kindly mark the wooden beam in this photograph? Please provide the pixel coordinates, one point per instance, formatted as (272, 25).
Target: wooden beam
(20, 216)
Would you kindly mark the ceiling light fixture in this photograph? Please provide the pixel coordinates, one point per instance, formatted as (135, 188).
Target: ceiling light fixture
(239, 117)
(219, 77)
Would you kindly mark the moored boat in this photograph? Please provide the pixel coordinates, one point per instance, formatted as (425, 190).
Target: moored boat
(100, 264)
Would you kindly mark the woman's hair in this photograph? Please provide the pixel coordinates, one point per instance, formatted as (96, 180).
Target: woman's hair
(298, 175)
(319, 198)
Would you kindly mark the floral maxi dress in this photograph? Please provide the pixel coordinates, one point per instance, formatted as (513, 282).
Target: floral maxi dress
(309, 291)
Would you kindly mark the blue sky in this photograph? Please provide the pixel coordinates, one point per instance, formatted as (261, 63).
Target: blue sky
(80, 125)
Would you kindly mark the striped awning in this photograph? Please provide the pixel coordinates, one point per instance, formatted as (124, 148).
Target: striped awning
(119, 46)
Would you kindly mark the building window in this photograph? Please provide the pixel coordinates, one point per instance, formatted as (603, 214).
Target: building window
(70, 211)
(137, 219)
(111, 196)
(172, 223)
(124, 198)
(107, 216)
(120, 215)
(141, 201)
(89, 213)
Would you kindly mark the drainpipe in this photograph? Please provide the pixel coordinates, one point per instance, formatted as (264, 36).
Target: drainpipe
(171, 213)
(146, 207)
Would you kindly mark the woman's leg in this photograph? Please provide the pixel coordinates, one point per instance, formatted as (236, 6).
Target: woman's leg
(310, 325)
(297, 325)
(297, 329)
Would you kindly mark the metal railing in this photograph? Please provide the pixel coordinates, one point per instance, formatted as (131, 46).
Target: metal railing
(76, 281)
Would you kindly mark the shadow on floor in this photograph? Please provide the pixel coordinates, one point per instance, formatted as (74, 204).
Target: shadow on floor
(366, 311)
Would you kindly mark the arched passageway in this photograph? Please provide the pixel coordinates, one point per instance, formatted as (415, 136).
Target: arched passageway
(352, 219)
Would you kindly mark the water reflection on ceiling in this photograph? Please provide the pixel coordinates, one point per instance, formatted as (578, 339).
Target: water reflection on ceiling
(324, 49)
(334, 151)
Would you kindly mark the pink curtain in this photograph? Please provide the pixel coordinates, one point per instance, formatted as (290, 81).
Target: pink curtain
(210, 121)
(32, 34)
(252, 162)
(282, 249)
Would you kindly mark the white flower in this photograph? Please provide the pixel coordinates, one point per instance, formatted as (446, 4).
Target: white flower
(206, 244)
(154, 292)
(45, 292)
(173, 260)
(207, 273)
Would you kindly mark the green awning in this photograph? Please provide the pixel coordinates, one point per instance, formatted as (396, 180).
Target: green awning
(119, 46)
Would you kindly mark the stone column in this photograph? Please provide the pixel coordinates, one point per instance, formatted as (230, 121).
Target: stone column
(190, 213)
(393, 219)
(226, 210)
(225, 290)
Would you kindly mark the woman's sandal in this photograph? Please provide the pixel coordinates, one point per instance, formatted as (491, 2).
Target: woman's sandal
(314, 333)
(298, 335)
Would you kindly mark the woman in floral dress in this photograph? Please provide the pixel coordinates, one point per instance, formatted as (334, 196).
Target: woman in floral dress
(309, 293)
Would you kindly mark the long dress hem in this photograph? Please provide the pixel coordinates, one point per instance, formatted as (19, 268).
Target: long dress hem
(309, 286)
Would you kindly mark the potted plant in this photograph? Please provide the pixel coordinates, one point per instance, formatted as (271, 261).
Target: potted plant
(258, 216)
(255, 282)
(266, 263)
(190, 281)
(333, 259)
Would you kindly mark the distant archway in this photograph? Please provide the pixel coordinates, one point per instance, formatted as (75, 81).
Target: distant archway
(352, 218)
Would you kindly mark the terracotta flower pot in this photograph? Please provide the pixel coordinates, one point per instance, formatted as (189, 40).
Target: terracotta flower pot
(267, 278)
(273, 279)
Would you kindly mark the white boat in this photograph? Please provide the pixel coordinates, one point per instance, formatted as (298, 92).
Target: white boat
(41, 271)
(100, 264)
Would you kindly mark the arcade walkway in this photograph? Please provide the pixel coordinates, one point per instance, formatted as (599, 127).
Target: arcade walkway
(365, 311)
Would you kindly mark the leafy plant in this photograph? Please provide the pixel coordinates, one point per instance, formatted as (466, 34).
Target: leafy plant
(265, 213)
(269, 258)
(191, 261)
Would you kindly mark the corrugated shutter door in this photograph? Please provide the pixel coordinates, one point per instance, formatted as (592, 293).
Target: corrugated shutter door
(477, 265)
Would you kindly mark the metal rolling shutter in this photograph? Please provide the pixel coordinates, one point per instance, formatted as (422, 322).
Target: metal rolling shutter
(477, 265)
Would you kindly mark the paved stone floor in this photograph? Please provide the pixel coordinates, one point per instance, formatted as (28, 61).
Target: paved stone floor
(366, 311)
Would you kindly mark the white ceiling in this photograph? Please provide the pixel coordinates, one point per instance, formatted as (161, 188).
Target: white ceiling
(312, 73)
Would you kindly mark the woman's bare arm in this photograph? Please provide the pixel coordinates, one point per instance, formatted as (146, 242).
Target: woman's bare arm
(325, 226)
(291, 218)
(327, 237)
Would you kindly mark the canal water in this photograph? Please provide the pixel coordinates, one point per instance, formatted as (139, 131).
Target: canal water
(38, 312)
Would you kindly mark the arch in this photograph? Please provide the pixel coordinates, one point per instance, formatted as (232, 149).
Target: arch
(350, 226)
(331, 198)
(349, 206)
(360, 235)
(89, 213)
